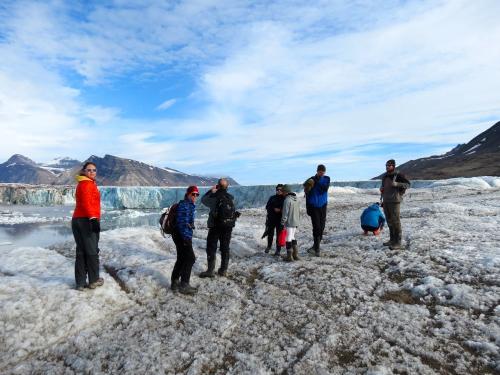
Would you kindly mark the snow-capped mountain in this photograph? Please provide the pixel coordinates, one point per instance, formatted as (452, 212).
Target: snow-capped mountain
(113, 171)
(479, 157)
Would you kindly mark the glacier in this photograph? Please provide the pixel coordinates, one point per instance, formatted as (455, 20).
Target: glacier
(137, 197)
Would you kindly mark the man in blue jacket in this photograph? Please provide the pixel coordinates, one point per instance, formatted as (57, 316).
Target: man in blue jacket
(372, 219)
(183, 236)
(316, 190)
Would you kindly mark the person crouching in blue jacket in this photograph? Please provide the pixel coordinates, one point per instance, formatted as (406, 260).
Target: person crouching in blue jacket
(372, 219)
(183, 236)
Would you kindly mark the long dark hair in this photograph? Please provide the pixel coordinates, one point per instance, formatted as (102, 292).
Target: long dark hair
(82, 171)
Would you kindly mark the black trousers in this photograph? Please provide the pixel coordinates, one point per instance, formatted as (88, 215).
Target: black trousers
(369, 228)
(271, 228)
(185, 259)
(215, 235)
(87, 251)
(318, 218)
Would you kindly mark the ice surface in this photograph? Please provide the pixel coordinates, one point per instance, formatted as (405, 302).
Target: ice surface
(359, 308)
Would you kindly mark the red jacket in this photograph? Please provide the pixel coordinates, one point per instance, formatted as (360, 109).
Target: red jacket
(88, 199)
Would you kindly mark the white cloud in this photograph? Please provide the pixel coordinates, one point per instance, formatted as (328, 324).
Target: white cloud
(166, 104)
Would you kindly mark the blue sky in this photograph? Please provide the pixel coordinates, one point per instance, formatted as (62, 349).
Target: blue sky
(261, 91)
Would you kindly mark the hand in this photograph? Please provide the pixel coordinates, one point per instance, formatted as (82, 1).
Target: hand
(277, 210)
(191, 226)
(237, 214)
(382, 190)
(281, 227)
(95, 226)
(214, 189)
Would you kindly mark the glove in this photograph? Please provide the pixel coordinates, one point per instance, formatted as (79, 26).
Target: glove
(95, 226)
(237, 214)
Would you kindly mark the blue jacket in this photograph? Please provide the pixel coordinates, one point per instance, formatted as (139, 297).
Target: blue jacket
(373, 216)
(184, 222)
(318, 196)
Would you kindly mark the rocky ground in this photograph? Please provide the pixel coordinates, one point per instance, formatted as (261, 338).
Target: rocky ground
(432, 308)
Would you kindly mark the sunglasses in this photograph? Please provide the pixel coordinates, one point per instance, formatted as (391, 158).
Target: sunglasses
(90, 170)
(195, 194)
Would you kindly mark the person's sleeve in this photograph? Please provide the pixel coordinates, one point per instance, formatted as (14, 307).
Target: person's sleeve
(381, 218)
(403, 181)
(324, 184)
(268, 205)
(88, 200)
(182, 219)
(208, 200)
(286, 212)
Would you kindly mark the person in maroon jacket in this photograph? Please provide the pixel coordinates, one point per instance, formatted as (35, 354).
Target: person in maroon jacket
(86, 228)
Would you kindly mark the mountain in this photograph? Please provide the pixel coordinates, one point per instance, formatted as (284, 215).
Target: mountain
(112, 171)
(59, 165)
(479, 157)
(21, 169)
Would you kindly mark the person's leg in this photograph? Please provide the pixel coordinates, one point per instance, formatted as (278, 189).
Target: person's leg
(322, 219)
(188, 260)
(176, 272)
(270, 235)
(388, 217)
(316, 228)
(397, 226)
(80, 270)
(278, 247)
(212, 239)
(225, 240)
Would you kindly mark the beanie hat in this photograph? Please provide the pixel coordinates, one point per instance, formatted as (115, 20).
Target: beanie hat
(192, 189)
(321, 168)
(286, 189)
(391, 162)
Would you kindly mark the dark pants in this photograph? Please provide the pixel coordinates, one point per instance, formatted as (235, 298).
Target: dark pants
(87, 252)
(391, 211)
(318, 218)
(185, 259)
(271, 228)
(369, 228)
(222, 235)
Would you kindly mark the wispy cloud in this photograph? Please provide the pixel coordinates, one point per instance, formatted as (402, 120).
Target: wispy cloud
(286, 82)
(166, 104)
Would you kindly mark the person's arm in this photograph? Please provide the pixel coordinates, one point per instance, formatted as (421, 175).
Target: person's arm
(183, 220)
(402, 181)
(88, 199)
(324, 184)
(286, 212)
(381, 219)
(209, 200)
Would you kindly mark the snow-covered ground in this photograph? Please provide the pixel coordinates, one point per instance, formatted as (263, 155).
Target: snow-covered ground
(359, 308)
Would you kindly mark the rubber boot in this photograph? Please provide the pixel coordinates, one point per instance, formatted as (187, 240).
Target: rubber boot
(210, 270)
(288, 257)
(397, 243)
(295, 250)
(185, 288)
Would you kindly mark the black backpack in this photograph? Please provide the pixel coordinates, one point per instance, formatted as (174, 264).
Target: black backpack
(225, 213)
(168, 219)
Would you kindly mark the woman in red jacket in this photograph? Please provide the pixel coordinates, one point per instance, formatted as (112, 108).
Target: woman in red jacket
(86, 228)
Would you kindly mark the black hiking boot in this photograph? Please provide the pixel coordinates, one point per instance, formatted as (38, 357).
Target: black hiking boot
(267, 250)
(207, 274)
(396, 246)
(174, 285)
(277, 252)
(185, 288)
(222, 273)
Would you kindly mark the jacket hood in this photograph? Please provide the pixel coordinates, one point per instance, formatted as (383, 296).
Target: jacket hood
(79, 178)
(292, 196)
(374, 207)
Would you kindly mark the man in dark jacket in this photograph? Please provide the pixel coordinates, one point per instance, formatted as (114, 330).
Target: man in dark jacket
(273, 207)
(182, 236)
(221, 220)
(316, 190)
(394, 185)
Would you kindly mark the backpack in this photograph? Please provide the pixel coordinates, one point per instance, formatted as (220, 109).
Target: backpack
(167, 219)
(225, 213)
